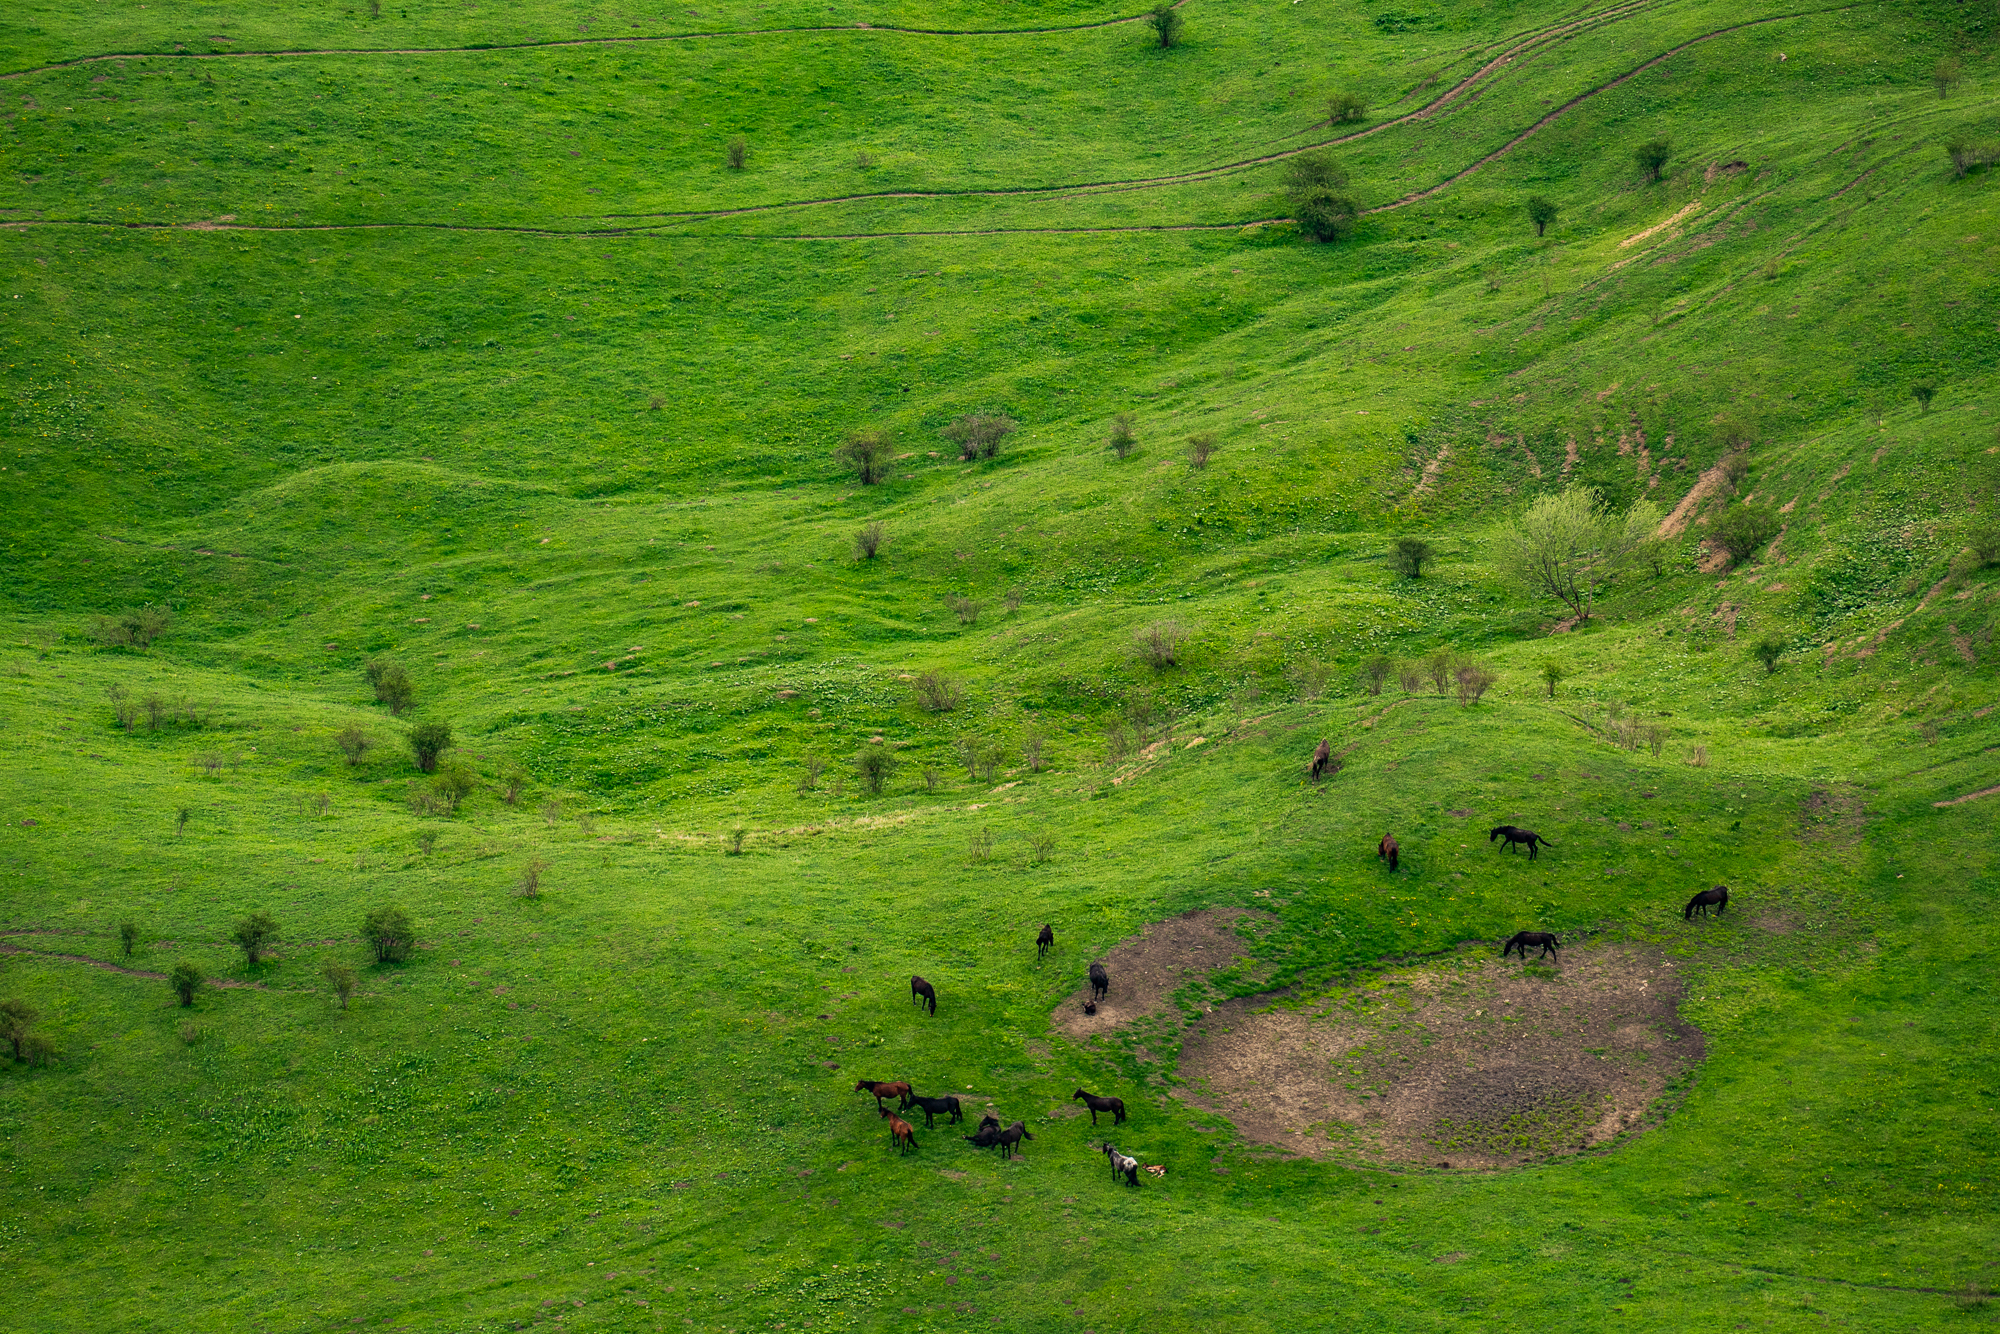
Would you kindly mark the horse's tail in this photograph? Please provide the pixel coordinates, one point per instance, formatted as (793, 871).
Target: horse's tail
(1539, 839)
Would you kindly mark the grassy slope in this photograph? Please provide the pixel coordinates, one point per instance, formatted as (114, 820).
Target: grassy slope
(651, 1101)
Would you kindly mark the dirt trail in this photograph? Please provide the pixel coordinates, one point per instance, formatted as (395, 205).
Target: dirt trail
(1705, 486)
(1970, 796)
(108, 967)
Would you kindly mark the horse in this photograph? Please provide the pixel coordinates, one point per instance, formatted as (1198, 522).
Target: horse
(934, 1107)
(1514, 835)
(1115, 1106)
(1719, 896)
(901, 1133)
(883, 1089)
(1526, 940)
(1389, 849)
(1011, 1136)
(1100, 982)
(1121, 1164)
(988, 1133)
(922, 992)
(1090, 1007)
(1322, 758)
(1044, 942)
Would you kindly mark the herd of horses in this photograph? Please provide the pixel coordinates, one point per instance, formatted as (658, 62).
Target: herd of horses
(990, 1133)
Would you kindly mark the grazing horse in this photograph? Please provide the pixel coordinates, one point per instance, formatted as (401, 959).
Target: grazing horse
(1100, 982)
(1322, 758)
(988, 1133)
(1121, 1164)
(1044, 942)
(923, 993)
(1719, 896)
(1527, 940)
(1115, 1106)
(1389, 849)
(934, 1107)
(1011, 1136)
(1514, 835)
(883, 1089)
(901, 1133)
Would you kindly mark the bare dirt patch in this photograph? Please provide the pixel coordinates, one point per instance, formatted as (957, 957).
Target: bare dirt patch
(1147, 969)
(1469, 1062)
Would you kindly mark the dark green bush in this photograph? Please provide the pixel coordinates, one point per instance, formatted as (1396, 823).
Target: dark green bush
(185, 980)
(1165, 21)
(255, 934)
(427, 742)
(389, 931)
(1541, 212)
(1316, 190)
(1652, 157)
(1409, 556)
(875, 764)
(392, 685)
(1743, 531)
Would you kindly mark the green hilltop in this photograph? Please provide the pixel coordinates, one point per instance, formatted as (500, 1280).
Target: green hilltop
(376, 366)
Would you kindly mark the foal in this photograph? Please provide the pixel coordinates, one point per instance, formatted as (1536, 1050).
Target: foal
(1121, 1164)
(901, 1133)
(922, 992)
(1100, 982)
(1044, 942)
(1115, 1106)
(1719, 897)
(1527, 940)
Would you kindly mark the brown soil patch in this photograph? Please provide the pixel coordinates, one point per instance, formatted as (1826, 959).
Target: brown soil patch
(1147, 969)
(1705, 486)
(1472, 1062)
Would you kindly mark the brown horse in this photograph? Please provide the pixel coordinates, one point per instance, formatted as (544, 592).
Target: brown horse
(923, 993)
(882, 1089)
(1719, 897)
(1322, 759)
(1388, 850)
(902, 1134)
(1527, 940)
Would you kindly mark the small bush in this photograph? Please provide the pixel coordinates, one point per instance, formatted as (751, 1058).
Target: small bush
(341, 980)
(182, 815)
(426, 841)
(938, 694)
(37, 1050)
(1652, 157)
(427, 742)
(1966, 155)
(1346, 109)
(738, 150)
(513, 778)
(1541, 212)
(1165, 21)
(137, 628)
(732, 842)
(964, 608)
(552, 812)
(1923, 391)
(1656, 740)
(1117, 740)
(1316, 189)
(1124, 437)
(1983, 538)
(1768, 651)
(123, 711)
(815, 765)
(1474, 680)
(392, 685)
(869, 541)
(1438, 667)
(189, 1032)
(155, 708)
(978, 434)
(1552, 674)
(531, 878)
(1409, 556)
(454, 783)
(864, 160)
(1698, 756)
(1031, 751)
(1946, 74)
(1162, 644)
(1410, 676)
(875, 765)
(981, 849)
(1375, 670)
(255, 934)
(991, 757)
(1011, 600)
(353, 742)
(389, 932)
(1041, 843)
(128, 937)
(1743, 531)
(869, 453)
(320, 803)
(1200, 449)
(17, 1017)
(967, 750)
(185, 980)
(931, 777)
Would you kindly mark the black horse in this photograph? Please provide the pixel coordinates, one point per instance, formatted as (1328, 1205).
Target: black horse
(988, 1133)
(1718, 897)
(935, 1107)
(1527, 940)
(1115, 1106)
(1010, 1137)
(1044, 942)
(923, 993)
(1100, 982)
(1514, 835)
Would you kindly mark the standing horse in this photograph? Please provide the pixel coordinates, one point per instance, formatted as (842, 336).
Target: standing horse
(1389, 849)
(1011, 1136)
(1515, 835)
(1100, 982)
(1322, 759)
(1044, 942)
(1121, 1164)
(1115, 1106)
(1527, 940)
(901, 1133)
(935, 1107)
(1719, 897)
(922, 992)
(882, 1089)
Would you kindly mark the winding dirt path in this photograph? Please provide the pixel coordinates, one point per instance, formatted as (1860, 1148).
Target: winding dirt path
(87, 961)
(1970, 796)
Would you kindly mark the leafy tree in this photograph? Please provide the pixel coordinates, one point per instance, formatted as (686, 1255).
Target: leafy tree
(1201, 448)
(1165, 21)
(1375, 671)
(16, 1018)
(1569, 546)
(353, 742)
(1743, 531)
(738, 150)
(454, 783)
(1541, 211)
(255, 934)
(1552, 673)
(390, 932)
(869, 453)
(875, 764)
(137, 628)
(1123, 438)
(1923, 391)
(1315, 187)
(427, 742)
(342, 980)
(1945, 75)
(392, 685)
(1346, 108)
(1652, 157)
(978, 434)
(128, 936)
(1768, 651)
(186, 979)
(1409, 556)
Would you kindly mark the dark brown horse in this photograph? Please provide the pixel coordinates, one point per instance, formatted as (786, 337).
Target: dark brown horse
(1100, 982)
(1718, 897)
(1115, 1106)
(901, 1133)
(1010, 1137)
(934, 1107)
(1389, 849)
(988, 1133)
(922, 993)
(1527, 940)
(882, 1089)
(1514, 835)
(1322, 761)
(1044, 942)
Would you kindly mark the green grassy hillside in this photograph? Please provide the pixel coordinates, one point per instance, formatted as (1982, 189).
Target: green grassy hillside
(424, 335)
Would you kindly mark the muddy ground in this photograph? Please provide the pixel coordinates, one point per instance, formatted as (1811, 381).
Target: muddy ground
(1148, 968)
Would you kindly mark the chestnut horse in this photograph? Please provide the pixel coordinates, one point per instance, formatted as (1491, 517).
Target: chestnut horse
(883, 1089)
(902, 1134)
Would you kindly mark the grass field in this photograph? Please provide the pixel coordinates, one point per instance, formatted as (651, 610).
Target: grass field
(423, 334)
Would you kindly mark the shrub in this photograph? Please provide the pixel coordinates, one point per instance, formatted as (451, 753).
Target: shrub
(1346, 108)
(991, 757)
(1743, 531)
(1768, 651)
(182, 815)
(732, 842)
(155, 706)
(17, 1017)
(1474, 680)
(353, 742)
(1011, 600)
(426, 840)
(981, 849)
(1200, 449)
(1161, 644)
(137, 628)
(967, 750)
(964, 608)
(978, 434)
(1409, 556)
(1984, 540)
(931, 777)
(1966, 155)
(1315, 187)
(1438, 668)
(513, 778)
(531, 878)
(392, 685)
(1945, 75)
(1124, 439)
(128, 937)
(321, 803)
(551, 812)
(1410, 676)
(389, 931)
(875, 764)
(1165, 21)
(123, 711)
(1040, 844)
(1541, 211)
(869, 541)
(815, 765)
(454, 783)
(341, 980)
(1923, 391)
(1031, 751)
(1552, 673)
(1652, 157)
(255, 934)
(1656, 740)
(185, 979)
(938, 694)
(868, 453)
(37, 1050)
(189, 1031)
(427, 742)
(1375, 670)
(737, 151)
(1117, 741)
(1698, 756)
